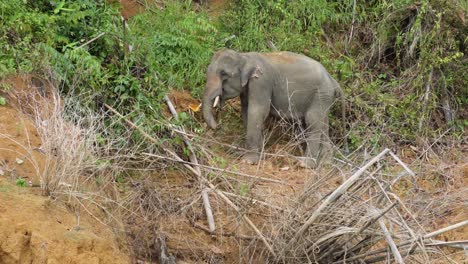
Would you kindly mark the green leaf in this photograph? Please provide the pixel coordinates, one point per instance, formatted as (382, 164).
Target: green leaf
(2, 101)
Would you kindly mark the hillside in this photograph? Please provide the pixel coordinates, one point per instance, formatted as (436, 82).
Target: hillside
(105, 156)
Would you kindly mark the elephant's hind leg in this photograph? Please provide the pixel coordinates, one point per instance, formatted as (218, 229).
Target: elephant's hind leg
(316, 120)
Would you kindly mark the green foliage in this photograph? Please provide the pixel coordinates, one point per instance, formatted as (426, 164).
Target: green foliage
(3, 101)
(175, 44)
(56, 25)
(221, 162)
(21, 182)
(244, 189)
(291, 25)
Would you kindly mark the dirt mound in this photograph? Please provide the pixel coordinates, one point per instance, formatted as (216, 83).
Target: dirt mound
(33, 229)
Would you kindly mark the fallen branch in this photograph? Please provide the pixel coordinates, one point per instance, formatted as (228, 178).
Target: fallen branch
(390, 242)
(91, 40)
(208, 211)
(196, 167)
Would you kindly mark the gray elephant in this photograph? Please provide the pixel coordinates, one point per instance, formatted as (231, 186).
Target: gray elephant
(283, 84)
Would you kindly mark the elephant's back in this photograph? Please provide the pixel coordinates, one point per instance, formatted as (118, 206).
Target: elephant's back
(288, 58)
(296, 65)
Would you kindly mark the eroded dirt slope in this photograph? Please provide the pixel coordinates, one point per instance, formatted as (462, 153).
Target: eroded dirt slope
(34, 228)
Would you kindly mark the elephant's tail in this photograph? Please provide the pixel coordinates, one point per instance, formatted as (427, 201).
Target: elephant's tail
(340, 94)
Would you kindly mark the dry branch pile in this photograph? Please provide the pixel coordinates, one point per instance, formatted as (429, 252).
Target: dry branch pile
(361, 221)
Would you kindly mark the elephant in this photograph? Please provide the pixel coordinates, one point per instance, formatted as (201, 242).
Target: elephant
(283, 84)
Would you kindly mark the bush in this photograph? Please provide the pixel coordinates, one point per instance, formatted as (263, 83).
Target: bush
(175, 44)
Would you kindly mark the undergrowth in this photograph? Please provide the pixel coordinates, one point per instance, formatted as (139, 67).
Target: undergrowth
(401, 63)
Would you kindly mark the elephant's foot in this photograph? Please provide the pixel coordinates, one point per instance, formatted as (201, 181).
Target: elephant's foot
(251, 158)
(307, 163)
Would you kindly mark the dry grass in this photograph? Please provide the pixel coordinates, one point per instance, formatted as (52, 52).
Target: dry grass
(83, 161)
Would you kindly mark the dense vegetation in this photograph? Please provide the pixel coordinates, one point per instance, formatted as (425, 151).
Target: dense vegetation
(402, 63)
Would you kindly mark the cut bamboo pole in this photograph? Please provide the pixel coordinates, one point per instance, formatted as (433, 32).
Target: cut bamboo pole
(427, 236)
(447, 229)
(209, 212)
(391, 243)
(196, 167)
(377, 216)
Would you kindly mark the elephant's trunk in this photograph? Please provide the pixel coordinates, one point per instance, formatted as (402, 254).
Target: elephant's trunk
(213, 89)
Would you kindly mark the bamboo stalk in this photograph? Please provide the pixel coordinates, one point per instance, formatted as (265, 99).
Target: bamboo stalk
(375, 218)
(390, 242)
(209, 212)
(426, 98)
(196, 167)
(461, 244)
(402, 164)
(447, 229)
(246, 219)
(427, 236)
(91, 40)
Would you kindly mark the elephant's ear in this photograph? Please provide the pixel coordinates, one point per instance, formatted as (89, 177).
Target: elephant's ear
(249, 70)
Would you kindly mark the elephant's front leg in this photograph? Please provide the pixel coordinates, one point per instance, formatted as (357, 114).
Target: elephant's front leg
(244, 107)
(256, 115)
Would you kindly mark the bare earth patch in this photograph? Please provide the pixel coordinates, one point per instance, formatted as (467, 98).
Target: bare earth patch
(34, 228)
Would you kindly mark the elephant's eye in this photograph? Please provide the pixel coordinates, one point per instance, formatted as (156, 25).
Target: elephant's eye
(223, 73)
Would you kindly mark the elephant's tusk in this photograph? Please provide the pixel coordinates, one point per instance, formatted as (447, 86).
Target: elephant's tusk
(216, 101)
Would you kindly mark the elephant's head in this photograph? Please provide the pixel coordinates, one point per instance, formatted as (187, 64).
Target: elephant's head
(226, 77)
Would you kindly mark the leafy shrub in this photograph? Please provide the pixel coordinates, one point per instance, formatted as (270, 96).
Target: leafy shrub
(175, 44)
